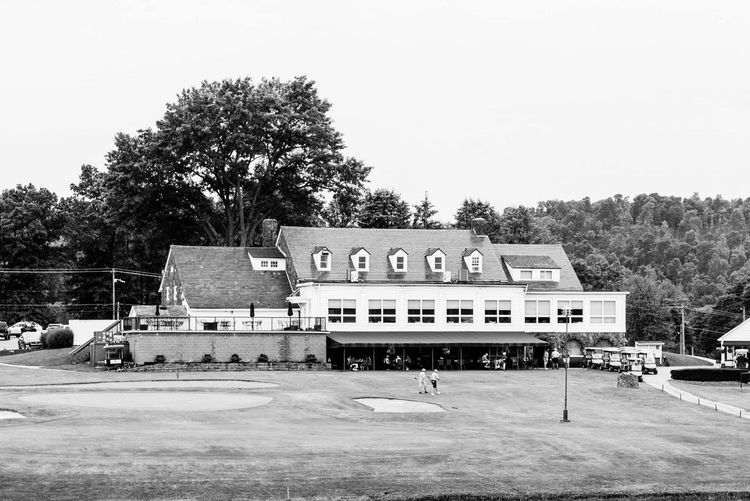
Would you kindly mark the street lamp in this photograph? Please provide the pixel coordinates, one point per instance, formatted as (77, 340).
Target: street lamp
(566, 361)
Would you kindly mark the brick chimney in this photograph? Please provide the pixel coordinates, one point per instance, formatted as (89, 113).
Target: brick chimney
(269, 232)
(479, 225)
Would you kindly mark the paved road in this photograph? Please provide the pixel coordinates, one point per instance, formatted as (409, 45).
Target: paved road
(662, 381)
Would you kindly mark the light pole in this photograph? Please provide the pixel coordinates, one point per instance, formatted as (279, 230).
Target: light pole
(566, 361)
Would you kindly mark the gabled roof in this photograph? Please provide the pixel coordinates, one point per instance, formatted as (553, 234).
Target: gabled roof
(739, 336)
(265, 252)
(544, 262)
(430, 252)
(568, 278)
(300, 241)
(469, 252)
(396, 250)
(320, 248)
(356, 250)
(221, 277)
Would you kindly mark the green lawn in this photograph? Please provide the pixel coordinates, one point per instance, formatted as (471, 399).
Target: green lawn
(500, 437)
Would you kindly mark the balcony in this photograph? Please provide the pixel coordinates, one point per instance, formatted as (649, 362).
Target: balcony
(224, 324)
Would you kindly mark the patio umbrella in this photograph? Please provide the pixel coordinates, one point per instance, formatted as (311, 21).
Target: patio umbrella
(252, 315)
(289, 311)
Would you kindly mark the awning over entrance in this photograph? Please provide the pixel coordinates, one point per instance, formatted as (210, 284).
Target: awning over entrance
(398, 339)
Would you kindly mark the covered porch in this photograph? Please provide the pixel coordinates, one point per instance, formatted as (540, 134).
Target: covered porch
(434, 350)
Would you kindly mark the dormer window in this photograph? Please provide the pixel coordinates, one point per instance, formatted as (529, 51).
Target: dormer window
(322, 258)
(526, 275)
(398, 259)
(360, 259)
(545, 275)
(473, 260)
(476, 264)
(436, 260)
(264, 263)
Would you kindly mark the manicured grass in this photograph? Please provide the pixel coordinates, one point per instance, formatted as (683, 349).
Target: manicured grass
(677, 360)
(38, 357)
(500, 438)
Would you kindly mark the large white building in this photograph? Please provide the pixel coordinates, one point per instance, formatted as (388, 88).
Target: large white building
(441, 298)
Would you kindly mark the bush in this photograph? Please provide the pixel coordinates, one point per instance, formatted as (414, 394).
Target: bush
(207, 358)
(235, 359)
(311, 359)
(710, 375)
(160, 359)
(57, 338)
(262, 358)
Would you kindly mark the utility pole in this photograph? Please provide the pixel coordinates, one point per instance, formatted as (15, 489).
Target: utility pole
(115, 312)
(682, 330)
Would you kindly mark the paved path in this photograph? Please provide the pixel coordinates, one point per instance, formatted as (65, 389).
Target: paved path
(662, 381)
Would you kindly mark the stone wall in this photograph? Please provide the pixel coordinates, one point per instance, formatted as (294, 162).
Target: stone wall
(230, 367)
(186, 347)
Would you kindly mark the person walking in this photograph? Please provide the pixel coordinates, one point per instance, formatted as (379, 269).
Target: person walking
(555, 359)
(422, 382)
(434, 378)
(545, 358)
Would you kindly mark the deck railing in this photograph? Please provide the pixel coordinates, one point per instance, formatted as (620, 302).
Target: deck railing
(244, 324)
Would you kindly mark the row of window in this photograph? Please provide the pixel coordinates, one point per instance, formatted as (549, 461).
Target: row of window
(361, 262)
(422, 311)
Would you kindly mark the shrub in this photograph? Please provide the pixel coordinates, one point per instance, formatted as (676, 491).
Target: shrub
(207, 358)
(262, 358)
(57, 338)
(711, 374)
(235, 359)
(160, 359)
(311, 359)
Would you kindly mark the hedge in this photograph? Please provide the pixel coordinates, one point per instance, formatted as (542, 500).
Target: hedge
(58, 338)
(711, 374)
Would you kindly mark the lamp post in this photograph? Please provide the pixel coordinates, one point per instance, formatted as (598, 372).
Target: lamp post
(566, 361)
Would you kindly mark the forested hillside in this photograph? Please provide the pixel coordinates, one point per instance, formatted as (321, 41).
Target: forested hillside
(667, 251)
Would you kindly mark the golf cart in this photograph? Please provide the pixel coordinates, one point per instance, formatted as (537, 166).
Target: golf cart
(611, 359)
(649, 364)
(632, 361)
(594, 356)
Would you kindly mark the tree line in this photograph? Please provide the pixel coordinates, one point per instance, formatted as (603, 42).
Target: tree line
(228, 154)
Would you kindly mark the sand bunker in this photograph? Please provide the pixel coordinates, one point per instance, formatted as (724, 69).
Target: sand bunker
(155, 385)
(11, 415)
(177, 401)
(394, 405)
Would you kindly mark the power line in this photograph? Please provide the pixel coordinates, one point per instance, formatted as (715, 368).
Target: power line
(70, 271)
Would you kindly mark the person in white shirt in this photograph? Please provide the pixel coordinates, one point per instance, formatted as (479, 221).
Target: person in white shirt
(434, 378)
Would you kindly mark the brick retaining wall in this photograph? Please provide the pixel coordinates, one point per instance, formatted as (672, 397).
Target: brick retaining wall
(185, 347)
(231, 367)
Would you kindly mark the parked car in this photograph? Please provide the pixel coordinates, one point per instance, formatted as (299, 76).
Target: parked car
(30, 338)
(52, 327)
(20, 327)
(4, 330)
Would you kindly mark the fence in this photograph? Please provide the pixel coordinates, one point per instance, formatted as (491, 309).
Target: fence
(164, 323)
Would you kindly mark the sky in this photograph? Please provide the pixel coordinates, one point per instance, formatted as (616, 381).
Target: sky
(510, 102)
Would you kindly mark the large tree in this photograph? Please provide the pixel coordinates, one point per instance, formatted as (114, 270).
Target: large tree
(423, 215)
(30, 231)
(384, 208)
(254, 150)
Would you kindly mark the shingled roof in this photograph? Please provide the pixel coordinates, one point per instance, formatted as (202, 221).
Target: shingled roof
(221, 277)
(299, 244)
(555, 252)
(544, 262)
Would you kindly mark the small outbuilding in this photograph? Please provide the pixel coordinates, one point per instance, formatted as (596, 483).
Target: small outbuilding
(654, 347)
(734, 343)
